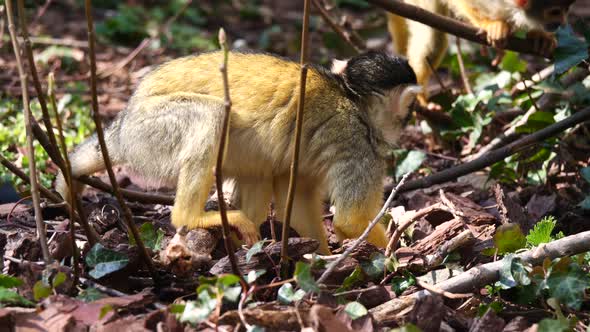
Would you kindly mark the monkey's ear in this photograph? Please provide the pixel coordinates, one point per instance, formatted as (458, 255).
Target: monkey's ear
(338, 66)
(408, 95)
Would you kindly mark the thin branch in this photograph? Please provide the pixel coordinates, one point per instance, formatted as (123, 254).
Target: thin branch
(67, 175)
(448, 25)
(365, 234)
(225, 227)
(436, 290)
(464, 77)
(36, 81)
(103, 148)
(16, 171)
(358, 45)
(29, 133)
(296, 139)
(489, 273)
(499, 154)
(406, 221)
(545, 101)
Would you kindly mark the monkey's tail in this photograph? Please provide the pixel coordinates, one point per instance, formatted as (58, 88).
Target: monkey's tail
(87, 159)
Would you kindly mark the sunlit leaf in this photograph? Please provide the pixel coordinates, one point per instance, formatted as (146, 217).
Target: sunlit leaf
(355, 310)
(304, 278)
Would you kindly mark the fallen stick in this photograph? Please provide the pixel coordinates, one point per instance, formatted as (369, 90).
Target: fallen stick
(499, 154)
(488, 273)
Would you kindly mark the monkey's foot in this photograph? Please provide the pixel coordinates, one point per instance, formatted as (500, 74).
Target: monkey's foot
(245, 230)
(496, 33)
(543, 42)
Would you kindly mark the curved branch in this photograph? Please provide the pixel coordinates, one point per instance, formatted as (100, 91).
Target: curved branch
(448, 25)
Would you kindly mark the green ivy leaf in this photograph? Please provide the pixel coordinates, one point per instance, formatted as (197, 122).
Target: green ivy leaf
(553, 325)
(304, 278)
(355, 310)
(375, 267)
(511, 62)
(495, 306)
(104, 310)
(400, 284)
(9, 297)
(536, 122)
(198, 311)
(150, 237)
(408, 162)
(253, 275)
(287, 295)
(255, 249)
(7, 281)
(407, 328)
(570, 50)
(585, 172)
(41, 291)
(569, 286)
(355, 278)
(513, 272)
(90, 294)
(104, 261)
(509, 238)
(59, 279)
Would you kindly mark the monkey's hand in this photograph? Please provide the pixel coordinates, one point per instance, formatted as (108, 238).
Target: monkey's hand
(497, 32)
(543, 42)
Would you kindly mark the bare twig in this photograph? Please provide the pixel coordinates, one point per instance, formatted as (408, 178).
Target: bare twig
(103, 148)
(36, 81)
(435, 290)
(225, 228)
(437, 258)
(499, 154)
(536, 78)
(490, 272)
(464, 77)
(365, 234)
(449, 25)
(16, 171)
(296, 139)
(29, 132)
(407, 220)
(67, 175)
(358, 45)
(545, 101)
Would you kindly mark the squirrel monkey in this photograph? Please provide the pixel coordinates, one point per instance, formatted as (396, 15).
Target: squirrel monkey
(497, 18)
(171, 129)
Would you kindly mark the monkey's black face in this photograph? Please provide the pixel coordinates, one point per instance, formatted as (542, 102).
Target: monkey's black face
(549, 14)
(376, 72)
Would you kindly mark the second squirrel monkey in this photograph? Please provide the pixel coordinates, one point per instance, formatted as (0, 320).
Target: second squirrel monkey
(170, 131)
(497, 18)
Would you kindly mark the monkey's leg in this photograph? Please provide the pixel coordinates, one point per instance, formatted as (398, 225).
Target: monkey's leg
(352, 218)
(425, 45)
(194, 183)
(253, 197)
(306, 215)
(177, 135)
(398, 29)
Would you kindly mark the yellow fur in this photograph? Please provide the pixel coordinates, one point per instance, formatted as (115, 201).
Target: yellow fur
(497, 18)
(170, 131)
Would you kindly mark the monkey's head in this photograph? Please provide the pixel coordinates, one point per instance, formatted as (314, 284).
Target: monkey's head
(549, 14)
(386, 85)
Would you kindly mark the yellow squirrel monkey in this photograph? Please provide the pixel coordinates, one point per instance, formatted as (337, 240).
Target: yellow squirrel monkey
(353, 114)
(497, 18)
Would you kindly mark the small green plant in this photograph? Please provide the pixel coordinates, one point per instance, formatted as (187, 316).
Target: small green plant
(541, 233)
